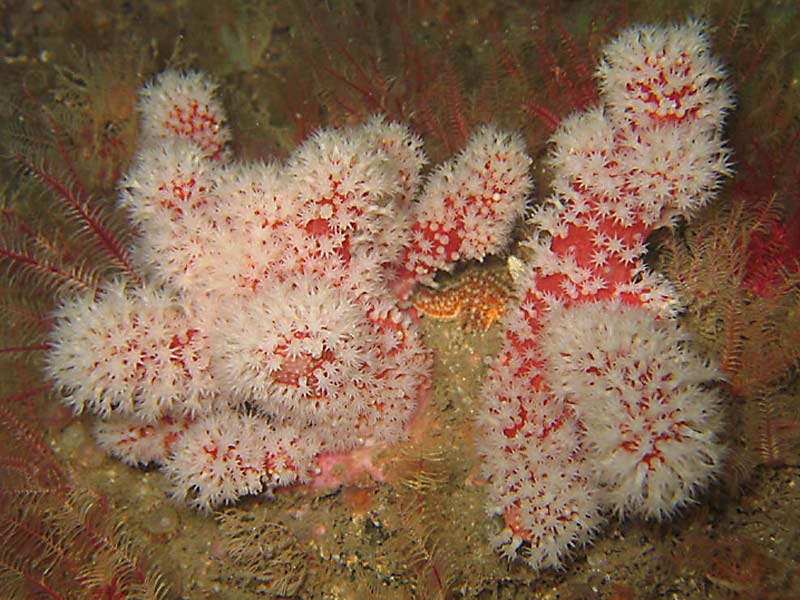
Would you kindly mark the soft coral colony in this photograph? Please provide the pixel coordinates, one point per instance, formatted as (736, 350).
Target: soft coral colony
(597, 402)
(266, 340)
(268, 336)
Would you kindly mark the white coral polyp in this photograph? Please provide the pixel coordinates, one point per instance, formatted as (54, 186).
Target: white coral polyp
(136, 442)
(542, 486)
(168, 181)
(339, 181)
(652, 75)
(651, 417)
(560, 514)
(404, 154)
(225, 456)
(130, 351)
(582, 157)
(533, 458)
(469, 204)
(650, 175)
(184, 105)
(674, 170)
(302, 347)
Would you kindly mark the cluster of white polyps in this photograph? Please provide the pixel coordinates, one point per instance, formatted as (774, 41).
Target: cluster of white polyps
(597, 403)
(266, 335)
